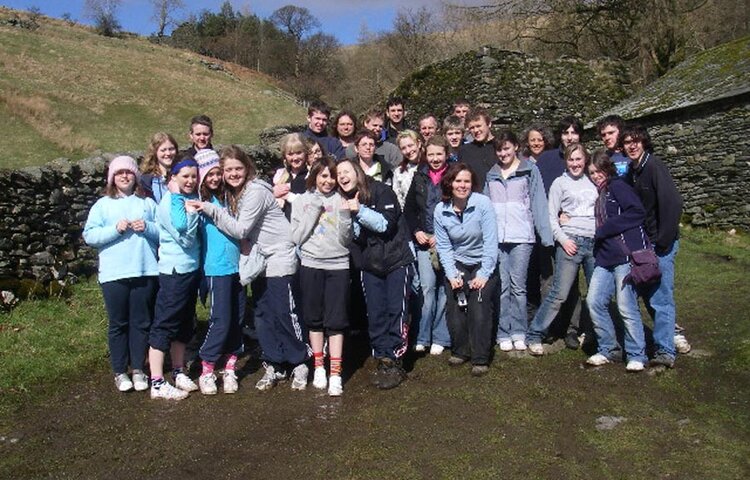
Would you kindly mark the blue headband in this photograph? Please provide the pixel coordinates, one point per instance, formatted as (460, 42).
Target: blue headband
(188, 162)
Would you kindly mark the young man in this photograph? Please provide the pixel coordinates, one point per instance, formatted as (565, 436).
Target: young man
(428, 126)
(395, 112)
(461, 108)
(663, 204)
(479, 155)
(609, 129)
(453, 131)
(373, 121)
(317, 123)
(200, 134)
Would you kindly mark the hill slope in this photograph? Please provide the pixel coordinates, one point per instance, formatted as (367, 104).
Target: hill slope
(66, 91)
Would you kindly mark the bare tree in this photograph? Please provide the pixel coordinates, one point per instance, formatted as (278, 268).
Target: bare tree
(297, 22)
(164, 13)
(104, 15)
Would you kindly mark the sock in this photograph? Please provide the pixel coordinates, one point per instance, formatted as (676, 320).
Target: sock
(335, 366)
(157, 382)
(207, 367)
(231, 362)
(318, 359)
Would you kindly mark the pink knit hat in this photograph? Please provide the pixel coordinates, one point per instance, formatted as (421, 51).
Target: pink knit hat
(207, 159)
(123, 162)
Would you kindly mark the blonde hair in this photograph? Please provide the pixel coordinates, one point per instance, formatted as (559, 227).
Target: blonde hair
(150, 163)
(292, 143)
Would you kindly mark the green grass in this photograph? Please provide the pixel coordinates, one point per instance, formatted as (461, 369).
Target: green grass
(66, 92)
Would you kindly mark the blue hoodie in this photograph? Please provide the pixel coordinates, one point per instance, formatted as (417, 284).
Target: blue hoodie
(220, 252)
(179, 245)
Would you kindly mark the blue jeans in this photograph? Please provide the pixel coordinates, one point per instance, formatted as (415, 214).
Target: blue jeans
(660, 303)
(513, 260)
(566, 272)
(605, 282)
(432, 325)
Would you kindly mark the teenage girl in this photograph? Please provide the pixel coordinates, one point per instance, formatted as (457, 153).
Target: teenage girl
(160, 153)
(323, 231)
(289, 181)
(221, 256)
(517, 194)
(381, 251)
(179, 277)
(253, 214)
(121, 226)
(410, 144)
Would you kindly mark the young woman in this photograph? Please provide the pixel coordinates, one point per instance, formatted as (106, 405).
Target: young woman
(365, 144)
(253, 214)
(425, 193)
(289, 180)
(345, 127)
(515, 189)
(121, 225)
(161, 152)
(322, 228)
(221, 256)
(466, 235)
(619, 219)
(410, 144)
(380, 250)
(574, 195)
(179, 277)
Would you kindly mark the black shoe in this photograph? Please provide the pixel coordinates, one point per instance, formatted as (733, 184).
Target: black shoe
(479, 370)
(390, 374)
(571, 340)
(455, 361)
(662, 359)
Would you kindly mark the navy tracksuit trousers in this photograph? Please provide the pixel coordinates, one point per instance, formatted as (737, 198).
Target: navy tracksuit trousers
(387, 300)
(224, 335)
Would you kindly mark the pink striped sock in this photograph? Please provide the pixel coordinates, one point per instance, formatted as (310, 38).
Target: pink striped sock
(231, 362)
(208, 367)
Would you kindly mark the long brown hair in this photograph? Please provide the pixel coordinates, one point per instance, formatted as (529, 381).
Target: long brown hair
(150, 163)
(232, 195)
(362, 182)
(317, 167)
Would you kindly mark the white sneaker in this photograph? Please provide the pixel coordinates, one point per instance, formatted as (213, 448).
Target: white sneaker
(167, 392)
(123, 383)
(230, 381)
(269, 379)
(505, 345)
(597, 360)
(335, 388)
(140, 381)
(184, 383)
(681, 344)
(519, 345)
(319, 378)
(299, 377)
(634, 366)
(436, 349)
(207, 384)
(536, 349)
(420, 348)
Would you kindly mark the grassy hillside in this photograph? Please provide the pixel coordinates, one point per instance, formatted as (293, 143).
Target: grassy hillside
(65, 91)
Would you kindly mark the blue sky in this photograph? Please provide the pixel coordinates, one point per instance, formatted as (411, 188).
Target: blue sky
(342, 18)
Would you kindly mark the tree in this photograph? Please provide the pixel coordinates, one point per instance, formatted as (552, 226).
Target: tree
(297, 22)
(103, 13)
(164, 11)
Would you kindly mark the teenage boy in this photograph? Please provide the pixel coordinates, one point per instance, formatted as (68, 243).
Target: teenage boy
(479, 155)
(373, 121)
(428, 126)
(200, 134)
(609, 129)
(461, 108)
(318, 114)
(453, 131)
(395, 112)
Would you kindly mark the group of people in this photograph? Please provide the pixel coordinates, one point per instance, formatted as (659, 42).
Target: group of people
(426, 238)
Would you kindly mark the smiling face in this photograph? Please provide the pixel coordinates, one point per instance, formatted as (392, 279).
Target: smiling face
(345, 126)
(212, 180)
(479, 129)
(536, 143)
(365, 149)
(597, 176)
(235, 173)
(395, 113)
(609, 135)
(325, 182)
(436, 157)
(200, 135)
(317, 122)
(461, 185)
(454, 137)
(316, 153)
(124, 181)
(296, 160)
(428, 127)
(569, 136)
(507, 153)
(576, 163)
(187, 180)
(409, 149)
(633, 148)
(346, 176)
(375, 125)
(165, 155)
